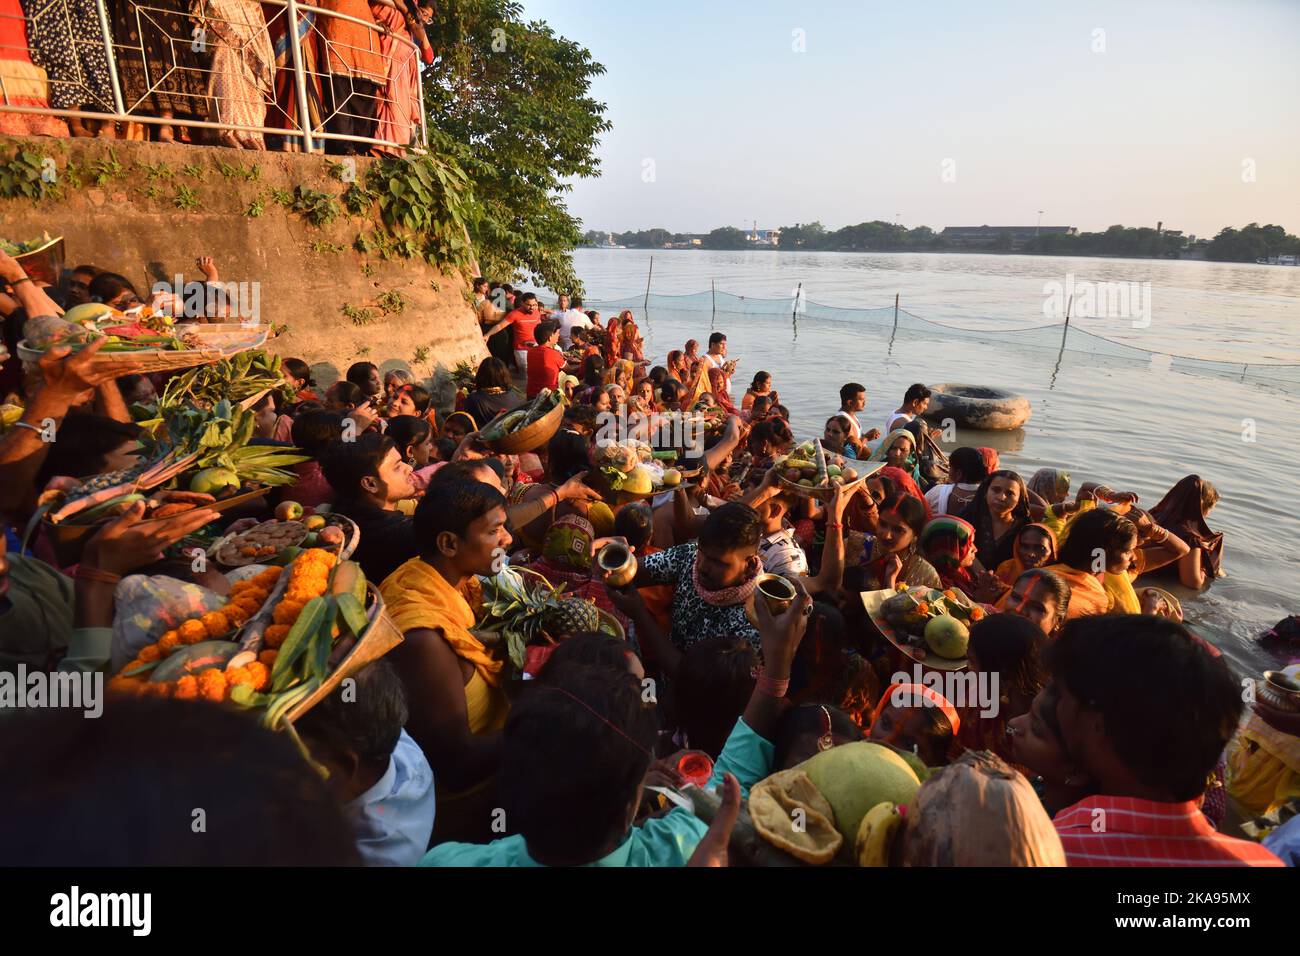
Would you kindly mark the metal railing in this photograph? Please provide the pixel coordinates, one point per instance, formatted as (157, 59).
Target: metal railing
(231, 48)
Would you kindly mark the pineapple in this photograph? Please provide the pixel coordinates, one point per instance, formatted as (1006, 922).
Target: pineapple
(569, 616)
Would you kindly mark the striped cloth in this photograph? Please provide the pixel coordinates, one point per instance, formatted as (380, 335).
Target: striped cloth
(1124, 831)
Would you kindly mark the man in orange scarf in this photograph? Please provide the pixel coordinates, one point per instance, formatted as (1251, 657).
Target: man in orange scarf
(457, 708)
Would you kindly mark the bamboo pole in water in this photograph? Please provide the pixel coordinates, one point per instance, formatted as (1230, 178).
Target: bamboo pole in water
(794, 313)
(646, 304)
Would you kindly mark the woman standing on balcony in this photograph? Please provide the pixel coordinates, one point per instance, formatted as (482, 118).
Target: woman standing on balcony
(242, 80)
(22, 83)
(286, 113)
(67, 43)
(170, 79)
(357, 72)
(398, 115)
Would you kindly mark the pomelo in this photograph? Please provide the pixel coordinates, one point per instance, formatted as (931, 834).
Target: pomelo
(639, 481)
(210, 481)
(855, 777)
(947, 636)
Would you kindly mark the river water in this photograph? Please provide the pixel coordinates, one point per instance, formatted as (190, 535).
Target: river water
(1135, 424)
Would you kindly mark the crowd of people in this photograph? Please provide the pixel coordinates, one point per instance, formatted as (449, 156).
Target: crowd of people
(1106, 700)
(219, 61)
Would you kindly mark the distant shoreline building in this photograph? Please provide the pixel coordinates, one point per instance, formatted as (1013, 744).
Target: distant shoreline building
(1019, 236)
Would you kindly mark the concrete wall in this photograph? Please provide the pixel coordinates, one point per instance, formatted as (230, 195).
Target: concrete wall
(131, 224)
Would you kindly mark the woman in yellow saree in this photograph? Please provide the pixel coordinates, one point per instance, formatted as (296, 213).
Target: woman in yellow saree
(457, 704)
(1093, 561)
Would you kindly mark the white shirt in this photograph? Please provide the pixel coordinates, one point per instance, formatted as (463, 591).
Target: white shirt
(855, 426)
(938, 496)
(782, 554)
(569, 320)
(393, 819)
(718, 362)
(897, 420)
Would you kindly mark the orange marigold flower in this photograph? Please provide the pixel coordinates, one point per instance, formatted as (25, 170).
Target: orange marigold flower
(260, 673)
(235, 614)
(248, 603)
(187, 688)
(158, 688)
(268, 657)
(950, 594)
(299, 594)
(239, 587)
(239, 675)
(212, 684)
(286, 612)
(124, 685)
(215, 623)
(923, 607)
(149, 653)
(977, 614)
(192, 632)
(275, 635)
(169, 642)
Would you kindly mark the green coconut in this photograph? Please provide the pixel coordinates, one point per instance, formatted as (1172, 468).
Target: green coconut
(855, 777)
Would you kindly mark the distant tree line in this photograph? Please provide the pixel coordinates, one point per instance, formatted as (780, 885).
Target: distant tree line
(1247, 244)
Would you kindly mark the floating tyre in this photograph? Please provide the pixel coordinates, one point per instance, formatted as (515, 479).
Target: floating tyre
(978, 407)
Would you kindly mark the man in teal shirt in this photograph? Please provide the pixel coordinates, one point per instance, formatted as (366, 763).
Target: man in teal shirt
(576, 749)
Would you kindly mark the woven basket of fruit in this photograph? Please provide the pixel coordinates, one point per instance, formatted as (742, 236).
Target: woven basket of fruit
(142, 339)
(42, 259)
(527, 428)
(811, 472)
(286, 638)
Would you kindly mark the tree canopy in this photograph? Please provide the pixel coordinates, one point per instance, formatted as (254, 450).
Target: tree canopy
(510, 102)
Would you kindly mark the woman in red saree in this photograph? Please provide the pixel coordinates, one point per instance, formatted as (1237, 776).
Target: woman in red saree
(286, 113)
(22, 82)
(399, 107)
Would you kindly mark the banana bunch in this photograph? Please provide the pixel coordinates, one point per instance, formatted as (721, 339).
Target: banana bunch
(220, 438)
(877, 832)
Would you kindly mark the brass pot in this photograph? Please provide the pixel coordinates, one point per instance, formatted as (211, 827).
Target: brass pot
(618, 564)
(777, 591)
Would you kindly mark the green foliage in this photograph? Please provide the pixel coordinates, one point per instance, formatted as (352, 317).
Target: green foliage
(392, 302)
(20, 178)
(726, 237)
(421, 355)
(322, 247)
(156, 171)
(255, 208)
(1252, 242)
(424, 209)
(282, 196)
(521, 122)
(359, 316)
(185, 198)
(317, 207)
(357, 199)
(195, 171)
(105, 169)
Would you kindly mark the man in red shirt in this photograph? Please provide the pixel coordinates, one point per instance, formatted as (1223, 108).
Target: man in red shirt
(1145, 709)
(522, 322)
(545, 362)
